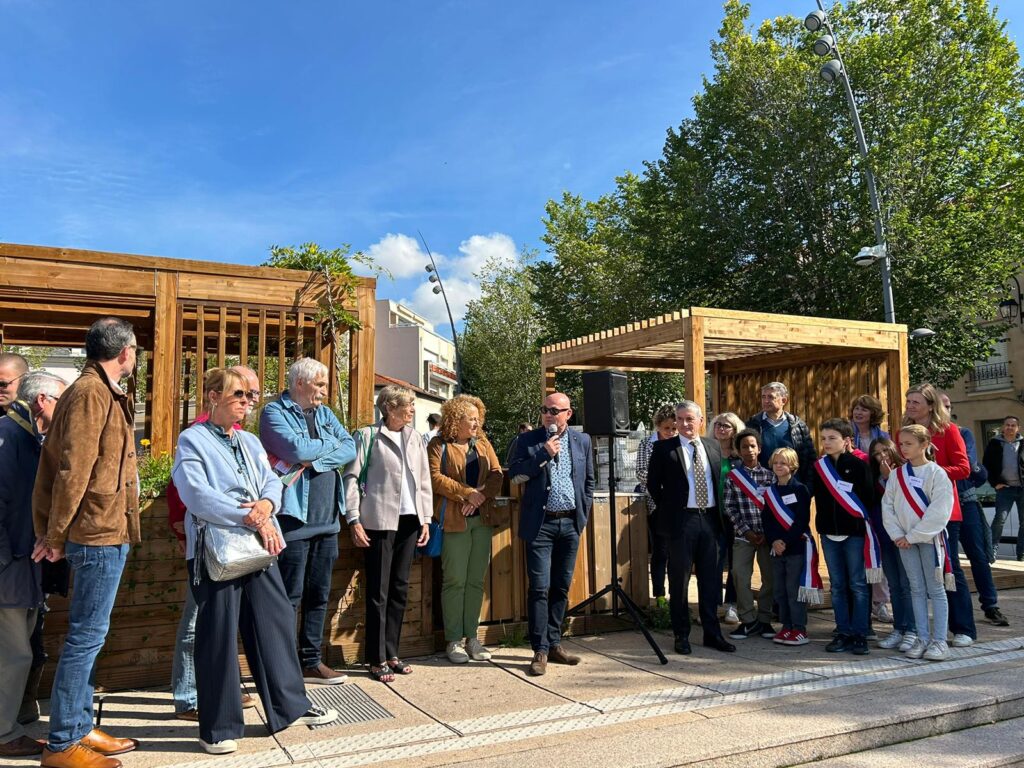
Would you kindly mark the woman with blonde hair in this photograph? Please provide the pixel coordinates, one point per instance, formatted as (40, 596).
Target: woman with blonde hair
(724, 428)
(466, 476)
(387, 507)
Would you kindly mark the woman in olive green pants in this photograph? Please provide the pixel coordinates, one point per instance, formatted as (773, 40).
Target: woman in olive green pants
(466, 476)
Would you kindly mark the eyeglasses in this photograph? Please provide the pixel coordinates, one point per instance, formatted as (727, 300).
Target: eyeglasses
(6, 384)
(552, 411)
(254, 394)
(723, 426)
(239, 394)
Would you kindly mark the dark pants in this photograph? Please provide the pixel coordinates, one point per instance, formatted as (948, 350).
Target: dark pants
(550, 562)
(388, 560)
(255, 606)
(972, 539)
(725, 542)
(658, 545)
(899, 587)
(961, 611)
(306, 566)
(788, 571)
(693, 543)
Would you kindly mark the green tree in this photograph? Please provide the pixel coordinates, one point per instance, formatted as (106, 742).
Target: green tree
(758, 201)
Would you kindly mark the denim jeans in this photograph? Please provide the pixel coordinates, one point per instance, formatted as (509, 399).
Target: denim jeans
(183, 668)
(97, 572)
(306, 566)
(899, 587)
(550, 562)
(926, 584)
(961, 610)
(1006, 498)
(972, 539)
(845, 562)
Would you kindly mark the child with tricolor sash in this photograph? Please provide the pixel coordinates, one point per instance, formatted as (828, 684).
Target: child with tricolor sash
(787, 528)
(842, 488)
(917, 504)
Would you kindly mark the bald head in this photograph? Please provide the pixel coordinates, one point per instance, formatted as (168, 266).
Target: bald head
(12, 368)
(556, 410)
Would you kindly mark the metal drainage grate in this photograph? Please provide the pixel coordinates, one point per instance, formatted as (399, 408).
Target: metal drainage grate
(354, 705)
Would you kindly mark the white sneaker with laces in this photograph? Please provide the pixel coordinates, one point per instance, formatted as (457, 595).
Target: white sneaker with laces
(909, 638)
(317, 716)
(225, 747)
(456, 652)
(937, 651)
(892, 640)
(476, 650)
(917, 650)
(731, 617)
(962, 641)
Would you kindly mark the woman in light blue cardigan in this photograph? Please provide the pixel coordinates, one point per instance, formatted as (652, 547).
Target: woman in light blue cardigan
(223, 477)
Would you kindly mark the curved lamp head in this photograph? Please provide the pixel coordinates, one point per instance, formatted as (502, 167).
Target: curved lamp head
(1008, 309)
(429, 267)
(832, 71)
(921, 333)
(437, 289)
(824, 45)
(815, 20)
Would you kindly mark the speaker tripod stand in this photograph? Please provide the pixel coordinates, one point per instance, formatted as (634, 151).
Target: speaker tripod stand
(615, 587)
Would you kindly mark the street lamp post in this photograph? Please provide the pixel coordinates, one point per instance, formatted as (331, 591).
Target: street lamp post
(832, 70)
(435, 278)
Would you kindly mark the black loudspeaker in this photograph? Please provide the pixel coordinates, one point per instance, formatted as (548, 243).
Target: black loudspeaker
(605, 403)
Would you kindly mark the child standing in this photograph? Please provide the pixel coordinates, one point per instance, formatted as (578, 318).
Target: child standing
(917, 504)
(787, 525)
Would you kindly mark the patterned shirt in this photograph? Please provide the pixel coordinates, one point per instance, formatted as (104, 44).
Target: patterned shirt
(745, 515)
(643, 461)
(561, 496)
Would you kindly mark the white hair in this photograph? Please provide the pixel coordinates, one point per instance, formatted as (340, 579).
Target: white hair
(777, 387)
(40, 383)
(689, 405)
(306, 369)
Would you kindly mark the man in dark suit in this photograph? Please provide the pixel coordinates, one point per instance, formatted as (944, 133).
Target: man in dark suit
(557, 466)
(682, 478)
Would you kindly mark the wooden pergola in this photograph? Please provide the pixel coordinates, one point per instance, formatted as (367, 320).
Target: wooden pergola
(823, 362)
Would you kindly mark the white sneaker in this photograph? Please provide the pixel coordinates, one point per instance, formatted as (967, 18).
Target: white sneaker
(882, 613)
(916, 651)
(937, 651)
(476, 650)
(731, 617)
(892, 641)
(317, 716)
(962, 641)
(456, 652)
(219, 747)
(909, 638)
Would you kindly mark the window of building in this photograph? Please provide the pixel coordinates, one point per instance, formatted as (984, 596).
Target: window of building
(993, 373)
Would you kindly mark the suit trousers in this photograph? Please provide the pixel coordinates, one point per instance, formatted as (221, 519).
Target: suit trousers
(16, 625)
(257, 607)
(743, 555)
(693, 544)
(388, 560)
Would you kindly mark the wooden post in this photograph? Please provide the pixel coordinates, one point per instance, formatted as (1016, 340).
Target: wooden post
(361, 360)
(243, 341)
(693, 327)
(200, 354)
(163, 357)
(547, 381)
(222, 336)
(898, 380)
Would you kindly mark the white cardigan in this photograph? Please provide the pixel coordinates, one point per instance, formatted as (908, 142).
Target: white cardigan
(900, 519)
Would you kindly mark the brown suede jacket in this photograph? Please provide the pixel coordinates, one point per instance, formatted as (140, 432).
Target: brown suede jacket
(87, 487)
(449, 483)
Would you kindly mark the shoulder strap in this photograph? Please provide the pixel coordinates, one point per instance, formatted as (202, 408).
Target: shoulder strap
(366, 457)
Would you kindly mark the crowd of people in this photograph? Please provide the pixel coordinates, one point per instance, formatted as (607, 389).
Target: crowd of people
(275, 483)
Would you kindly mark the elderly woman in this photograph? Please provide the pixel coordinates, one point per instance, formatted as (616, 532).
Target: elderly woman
(724, 428)
(657, 543)
(388, 509)
(465, 474)
(866, 415)
(223, 477)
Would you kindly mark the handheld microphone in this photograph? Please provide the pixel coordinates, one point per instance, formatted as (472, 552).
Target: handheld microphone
(552, 431)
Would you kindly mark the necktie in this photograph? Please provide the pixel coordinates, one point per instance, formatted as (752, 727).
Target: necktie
(700, 482)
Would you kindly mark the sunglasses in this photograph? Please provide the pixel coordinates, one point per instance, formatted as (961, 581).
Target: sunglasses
(552, 411)
(6, 384)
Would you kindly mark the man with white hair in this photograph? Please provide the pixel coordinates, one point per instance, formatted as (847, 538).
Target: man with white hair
(309, 447)
(21, 596)
(781, 429)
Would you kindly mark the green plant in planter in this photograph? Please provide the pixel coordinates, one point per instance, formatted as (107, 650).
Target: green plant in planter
(154, 471)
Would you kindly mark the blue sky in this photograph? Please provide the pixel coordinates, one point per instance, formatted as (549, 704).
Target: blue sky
(213, 130)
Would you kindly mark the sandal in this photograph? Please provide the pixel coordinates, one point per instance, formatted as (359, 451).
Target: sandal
(382, 674)
(399, 666)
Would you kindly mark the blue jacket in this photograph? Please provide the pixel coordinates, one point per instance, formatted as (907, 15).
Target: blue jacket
(979, 475)
(19, 460)
(284, 434)
(532, 462)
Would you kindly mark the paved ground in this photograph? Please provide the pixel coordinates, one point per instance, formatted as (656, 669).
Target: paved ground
(764, 705)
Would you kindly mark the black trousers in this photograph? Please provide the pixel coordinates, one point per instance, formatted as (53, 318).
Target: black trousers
(388, 560)
(257, 607)
(693, 543)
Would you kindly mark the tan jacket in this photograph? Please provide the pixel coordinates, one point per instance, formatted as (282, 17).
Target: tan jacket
(449, 482)
(87, 487)
(379, 506)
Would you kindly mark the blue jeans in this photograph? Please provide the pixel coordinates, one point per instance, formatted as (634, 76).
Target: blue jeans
(550, 561)
(845, 562)
(183, 668)
(926, 584)
(961, 610)
(899, 587)
(972, 539)
(97, 573)
(1006, 498)
(306, 566)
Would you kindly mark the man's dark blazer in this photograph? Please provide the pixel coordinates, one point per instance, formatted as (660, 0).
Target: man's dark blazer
(667, 481)
(531, 461)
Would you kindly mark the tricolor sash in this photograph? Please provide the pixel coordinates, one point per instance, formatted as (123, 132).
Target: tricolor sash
(918, 501)
(741, 479)
(811, 587)
(848, 500)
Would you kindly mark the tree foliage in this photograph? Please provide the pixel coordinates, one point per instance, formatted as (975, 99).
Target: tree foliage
(758, 201)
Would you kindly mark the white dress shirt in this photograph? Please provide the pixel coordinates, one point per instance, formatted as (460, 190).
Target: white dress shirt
(691, 495)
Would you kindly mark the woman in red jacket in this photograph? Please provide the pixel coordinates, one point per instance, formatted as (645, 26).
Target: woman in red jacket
(924, 407)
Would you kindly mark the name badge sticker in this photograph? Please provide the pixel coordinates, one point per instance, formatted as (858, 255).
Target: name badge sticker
(916, 482)
(845, 486)
(789, 498)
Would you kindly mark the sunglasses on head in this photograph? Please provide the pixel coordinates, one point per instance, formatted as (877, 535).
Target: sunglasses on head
(552, 411)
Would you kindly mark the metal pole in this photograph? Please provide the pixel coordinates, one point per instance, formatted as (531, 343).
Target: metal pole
(448, 309)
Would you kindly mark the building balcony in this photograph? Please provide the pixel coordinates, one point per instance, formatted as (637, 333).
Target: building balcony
(989, 377)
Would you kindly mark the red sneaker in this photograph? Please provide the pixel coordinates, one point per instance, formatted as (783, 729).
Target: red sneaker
(781, 636)
(796, 637)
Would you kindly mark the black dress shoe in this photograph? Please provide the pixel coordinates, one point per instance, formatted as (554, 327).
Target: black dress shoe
(682, 646)
(719, 643)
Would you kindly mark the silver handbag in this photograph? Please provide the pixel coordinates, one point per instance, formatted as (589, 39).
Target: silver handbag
(231, 551)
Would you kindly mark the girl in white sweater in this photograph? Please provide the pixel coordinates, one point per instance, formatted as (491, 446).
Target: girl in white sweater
(917, 504)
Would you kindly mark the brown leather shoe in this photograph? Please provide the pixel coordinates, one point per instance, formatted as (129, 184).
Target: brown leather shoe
(321, 674)
(557, 656)
(22, 746)
(192, 715)
(77, 756)
(105, 744)
(539, 665)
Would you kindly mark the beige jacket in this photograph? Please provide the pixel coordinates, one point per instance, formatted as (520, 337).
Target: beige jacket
(378, 505)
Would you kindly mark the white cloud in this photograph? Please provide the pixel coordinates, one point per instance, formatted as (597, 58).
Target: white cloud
(399, 254)
(429, 304)
(479, 249)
